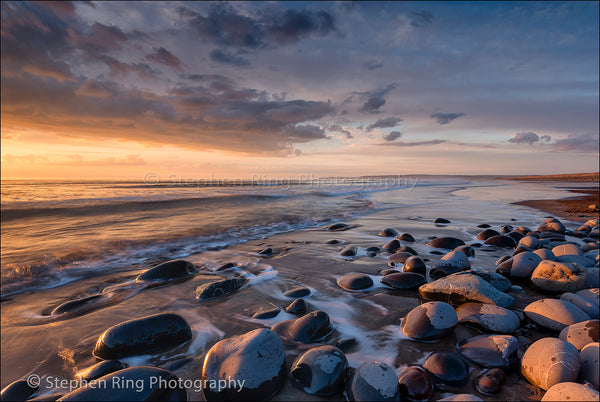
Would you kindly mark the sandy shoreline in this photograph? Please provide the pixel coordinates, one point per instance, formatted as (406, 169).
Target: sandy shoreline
(572, 208)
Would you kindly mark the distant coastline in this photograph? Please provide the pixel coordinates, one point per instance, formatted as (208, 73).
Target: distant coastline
(572, 177)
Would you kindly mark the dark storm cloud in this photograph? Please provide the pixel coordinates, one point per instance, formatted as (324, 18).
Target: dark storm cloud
(414, 143)
(445, 118)
(392, 135)
(587, 142)
(222, 56)
(226, 26)
(421, 19)
(163, 56)
(373, 104)
(384, 123)
(525, 138)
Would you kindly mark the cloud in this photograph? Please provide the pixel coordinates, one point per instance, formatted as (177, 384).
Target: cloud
(340, 129)
(414, 143)
(421, 19)
(392, 135)
(224, 57)
(525, 138)
(226, 26)
(375, 99)
(384, 123)
(587, 142)
(373, 65)
(164, 57)
(445, 118)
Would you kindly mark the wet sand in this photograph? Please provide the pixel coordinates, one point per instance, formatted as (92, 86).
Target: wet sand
(31, 345)
(571, 208)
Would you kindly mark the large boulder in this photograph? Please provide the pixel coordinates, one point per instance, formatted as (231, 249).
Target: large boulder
(559, 277)
(245, 367)
(590, 369)
(550, 361)
(573, 391)
(491, 350)
(581, 333)
(489, 318)
(373, 381)
(553, 314)
(463, 287)
(521, 265)
(429, 321)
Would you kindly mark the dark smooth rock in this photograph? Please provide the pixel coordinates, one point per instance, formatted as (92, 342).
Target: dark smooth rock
(524, 230)
(415, 264)
(400, 257)
(332, 242)
(99, 370)
(490, 381)
(502, 259)
(415, 385)
(298, 306)
(404, 280)
(373, 381)
(448, 368)
(345, 344)
(19, 390)
(349, 251)
(501, 241)
(142, 336)
(407, 249)
(266, 312)
(550, 361)
(76, 305)
(554, 314)
(406, 237)
(338, 227)
(298, 291)
(225, 266)
(320, 371)
(312, 327)
(581, 333)
(429, 321)
(516, 236)
(388, 271)
(374, 249)
(355, 281)
(219, 288)
(484, 226)
(47, 398)
(506, 228)
(465, 287)
(449, 243)
(146, 387)
(256, 357)
(466, 250)
(392, 246)
(491, 350)
(169, 270)
(441, 221)
(489, 318)
(266, 251)
(388, 232)
(486, 234)
(436, 252)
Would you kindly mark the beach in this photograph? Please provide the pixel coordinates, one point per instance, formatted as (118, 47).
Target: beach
(34, 341)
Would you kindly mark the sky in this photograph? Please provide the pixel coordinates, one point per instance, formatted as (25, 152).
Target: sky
(180, 90)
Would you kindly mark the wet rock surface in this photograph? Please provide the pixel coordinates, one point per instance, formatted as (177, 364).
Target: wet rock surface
(320, 371)
(429, 321)
(488, 317)
(373, 381)
(448, 369)
(312, 327)
(415, 384)
(219, 288)
(498, 351)
(355, 281)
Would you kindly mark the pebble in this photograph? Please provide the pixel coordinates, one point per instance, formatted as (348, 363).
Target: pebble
(489, 318)
(406, 237)
(388, 271)
(506, 228)
(464, 287)
(266, 312)
(414, 384)
(388, 232)
(449, 243)
(415, 264)
(448, 368)
(336, 227)
(256, 357)
(521, 265)
(147, 381)
(167, 271)
(567, 249)
(320, 371)
(550, 361)
(516, 236)
(373, 381)
(223, 287)
(76, 306)
(554, 314)
(456, 259)
(407, 249)
(530, 242)
(349, 251)
(99, 370)
(589, 308)
(298, 306)
(591, 295)
(467, 250)
(18, 390)
(392, 246)
(400, 257)
(442, 221)
(298, 291)
(266, 251)
(355, 281)
(484, 226)
(551, 225)
(559, 277)
(571, 391)
(490, 381)
(345, 344)
(581, 333)
(404, 280)
(429, 321)
(490, 350)
(501, 241)
(590, 369)
(312, 327)
(142, 336)
(486, 234)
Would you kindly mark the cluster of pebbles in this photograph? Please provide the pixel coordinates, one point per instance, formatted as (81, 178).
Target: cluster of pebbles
(559, 263)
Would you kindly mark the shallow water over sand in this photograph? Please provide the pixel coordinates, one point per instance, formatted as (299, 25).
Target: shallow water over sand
(33, 344)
